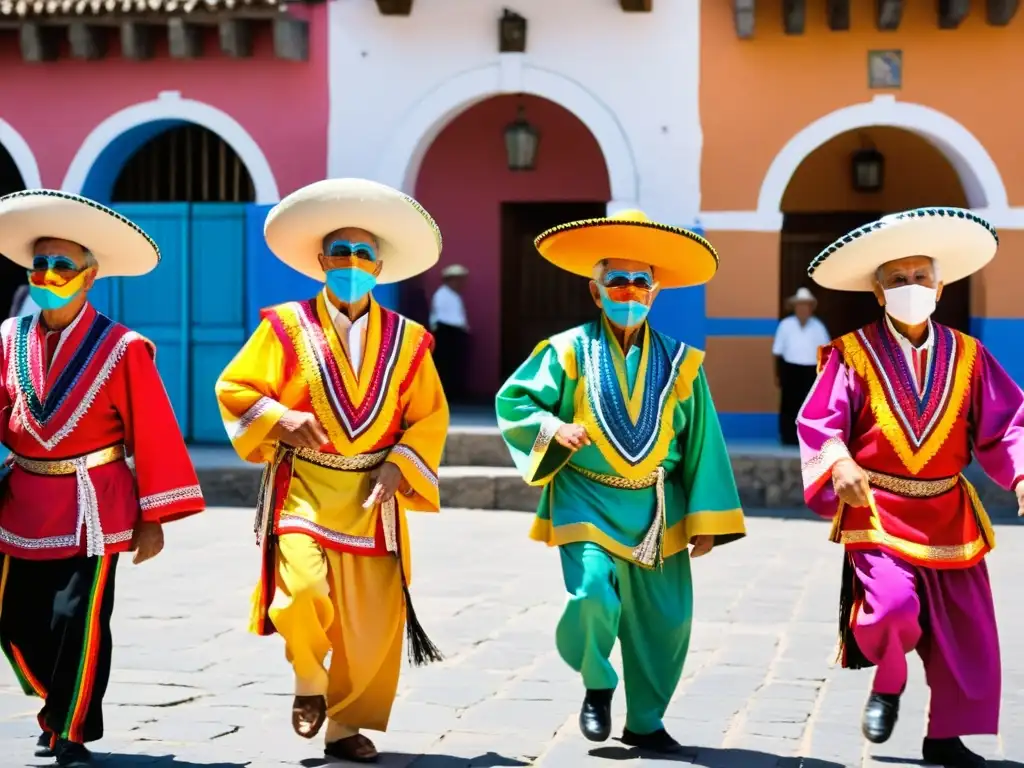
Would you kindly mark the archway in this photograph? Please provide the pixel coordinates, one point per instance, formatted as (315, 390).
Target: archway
(489, 216)
(820, 205)
(11, 275)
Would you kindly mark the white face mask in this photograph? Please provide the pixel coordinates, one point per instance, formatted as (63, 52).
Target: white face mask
(910, 304)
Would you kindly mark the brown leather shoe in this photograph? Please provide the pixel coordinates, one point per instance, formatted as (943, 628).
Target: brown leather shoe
(309, 713)
(354, 749)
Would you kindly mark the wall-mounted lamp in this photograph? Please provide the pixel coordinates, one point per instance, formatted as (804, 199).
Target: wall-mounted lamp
(511, 33)
(868, 166)
(521, 140)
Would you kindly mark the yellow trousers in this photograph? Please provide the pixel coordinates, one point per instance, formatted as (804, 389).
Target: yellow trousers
(348, 606)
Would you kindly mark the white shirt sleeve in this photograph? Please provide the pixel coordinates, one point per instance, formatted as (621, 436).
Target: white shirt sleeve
(779, 346)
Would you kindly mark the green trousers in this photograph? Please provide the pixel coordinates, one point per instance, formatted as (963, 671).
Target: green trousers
(650, 612)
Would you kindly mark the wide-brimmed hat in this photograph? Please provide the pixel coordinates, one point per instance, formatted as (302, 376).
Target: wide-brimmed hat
(803, 295)
(454, 270)
(679, 257)
(958, 241)
(409, 241)
(120, 246)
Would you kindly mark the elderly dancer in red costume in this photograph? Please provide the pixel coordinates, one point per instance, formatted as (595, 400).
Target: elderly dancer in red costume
(898, 410)
(79, 395)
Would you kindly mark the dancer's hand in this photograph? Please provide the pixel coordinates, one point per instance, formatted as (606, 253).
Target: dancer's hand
(386, 481)
(147, 541)
(851, 483)
(572, 436)
(299, 430)
(1020, 499)
(701, 545)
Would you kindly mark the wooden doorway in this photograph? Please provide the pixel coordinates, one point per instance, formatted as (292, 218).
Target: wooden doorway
(805, 235)
(538, 300)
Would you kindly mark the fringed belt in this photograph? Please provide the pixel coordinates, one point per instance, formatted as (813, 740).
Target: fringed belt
(648, 552)
(88, 503)
(911, 487)
(363, 462)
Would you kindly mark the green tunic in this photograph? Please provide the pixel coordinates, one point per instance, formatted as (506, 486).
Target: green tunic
(623, 509)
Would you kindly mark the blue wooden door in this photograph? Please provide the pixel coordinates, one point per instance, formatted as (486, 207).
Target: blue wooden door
(157, 305)
(217, 245)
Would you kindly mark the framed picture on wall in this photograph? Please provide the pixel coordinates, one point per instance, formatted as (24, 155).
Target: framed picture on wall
(885, 69)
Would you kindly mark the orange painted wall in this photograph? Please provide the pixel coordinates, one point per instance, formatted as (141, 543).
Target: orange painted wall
(747, 282)
(733, 364)
(756, 94)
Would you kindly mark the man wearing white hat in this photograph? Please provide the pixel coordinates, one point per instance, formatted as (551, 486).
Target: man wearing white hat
(899, 409)
(797, 340)
(341, 401)
(79, 394)
(450, 326)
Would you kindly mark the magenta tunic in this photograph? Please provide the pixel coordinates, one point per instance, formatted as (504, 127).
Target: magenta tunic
(923, 543)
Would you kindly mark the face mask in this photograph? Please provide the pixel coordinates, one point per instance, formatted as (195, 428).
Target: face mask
(49, 292)
(624, 314)
(350, 284)
(910, 304)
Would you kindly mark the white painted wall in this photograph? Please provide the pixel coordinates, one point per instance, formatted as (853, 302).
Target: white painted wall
(632, 78)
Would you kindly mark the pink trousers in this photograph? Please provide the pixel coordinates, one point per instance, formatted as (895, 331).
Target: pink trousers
(947, 616)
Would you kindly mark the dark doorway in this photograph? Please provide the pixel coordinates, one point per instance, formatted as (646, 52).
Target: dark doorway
(538, 300)
(805, 235)
(11, 275)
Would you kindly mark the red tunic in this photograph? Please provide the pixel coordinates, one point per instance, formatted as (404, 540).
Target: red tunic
(102, 389)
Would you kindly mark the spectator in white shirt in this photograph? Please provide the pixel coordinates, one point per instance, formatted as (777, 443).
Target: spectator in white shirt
(797, 340)
(451, 331)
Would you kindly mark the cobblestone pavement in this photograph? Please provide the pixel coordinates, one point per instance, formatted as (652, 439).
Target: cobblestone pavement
(190, 688)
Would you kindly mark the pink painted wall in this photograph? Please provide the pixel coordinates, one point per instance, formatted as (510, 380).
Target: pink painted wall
(463, 181)
(282, 104)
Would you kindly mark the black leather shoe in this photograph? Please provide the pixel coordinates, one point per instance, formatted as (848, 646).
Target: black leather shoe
(596, 715)
(880, 715)
(72, 755)
(43, 748)
(659, 742)
(950, 753)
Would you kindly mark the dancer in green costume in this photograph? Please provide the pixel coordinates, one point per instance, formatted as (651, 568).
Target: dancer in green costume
(616, 423)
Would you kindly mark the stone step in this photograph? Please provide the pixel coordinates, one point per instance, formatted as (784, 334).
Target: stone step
(765, 481)
(476, 447)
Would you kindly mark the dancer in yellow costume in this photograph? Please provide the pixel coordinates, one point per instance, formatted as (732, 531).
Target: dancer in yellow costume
(341, 401)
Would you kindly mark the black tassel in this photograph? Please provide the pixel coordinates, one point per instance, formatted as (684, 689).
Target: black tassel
(850, 655)
(422, 650)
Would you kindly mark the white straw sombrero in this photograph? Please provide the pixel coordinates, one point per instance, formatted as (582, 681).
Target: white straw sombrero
(409, 240)
(959, 241)
(120, 246)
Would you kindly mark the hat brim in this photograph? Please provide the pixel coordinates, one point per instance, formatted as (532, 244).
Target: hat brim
(121, 247)
(959, 242)
(409, 242)
(680, 258)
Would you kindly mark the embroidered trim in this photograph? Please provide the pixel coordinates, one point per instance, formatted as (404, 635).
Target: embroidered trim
(944, 553)
(911, 488)
(21, 409)
(260, 407)
(608, 402)
(59, 542)
(308, 526)
(411, 455)
(832, 450)
(166, 498)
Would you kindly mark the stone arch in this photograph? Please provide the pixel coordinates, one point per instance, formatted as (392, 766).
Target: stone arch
(982, 182)
(21, 154)
(400, 162)
(111, 143)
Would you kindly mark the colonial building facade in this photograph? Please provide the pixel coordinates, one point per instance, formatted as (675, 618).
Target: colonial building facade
(740, 118)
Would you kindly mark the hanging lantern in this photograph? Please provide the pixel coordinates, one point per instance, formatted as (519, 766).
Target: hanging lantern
(521, 141)
(868, 170)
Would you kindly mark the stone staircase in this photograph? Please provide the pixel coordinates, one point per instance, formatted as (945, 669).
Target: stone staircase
(477, 473)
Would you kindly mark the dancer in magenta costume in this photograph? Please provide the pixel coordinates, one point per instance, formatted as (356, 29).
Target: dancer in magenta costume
(896, 414)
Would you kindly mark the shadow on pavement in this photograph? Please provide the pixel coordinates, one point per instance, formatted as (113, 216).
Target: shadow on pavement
(488, 760)
(114, 760)
(905, 761)
(712, 758)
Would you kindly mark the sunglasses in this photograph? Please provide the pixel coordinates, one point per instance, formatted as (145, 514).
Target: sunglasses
(618, 278)
(343, 249)
(59, 264)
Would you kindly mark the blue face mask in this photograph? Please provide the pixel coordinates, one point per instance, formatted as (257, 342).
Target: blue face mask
(350, 284)
(47, 300)
(624, 314)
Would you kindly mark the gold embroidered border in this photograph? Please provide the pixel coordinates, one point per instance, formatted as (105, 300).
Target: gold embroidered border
(832, 450)
(362, 462)
(615, 481)
(944, 553)
(911, 488)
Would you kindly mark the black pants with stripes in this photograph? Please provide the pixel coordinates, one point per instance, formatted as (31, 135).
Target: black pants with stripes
(55, 631)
